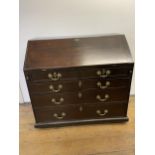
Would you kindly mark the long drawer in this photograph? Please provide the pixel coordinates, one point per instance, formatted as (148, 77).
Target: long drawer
(78, 112)
(88, 96)
(82, 72)
(74, 85)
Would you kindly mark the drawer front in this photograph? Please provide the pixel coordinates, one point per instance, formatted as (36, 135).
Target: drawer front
(53, 87)
(52, 75)
(95, 95)
(86, 96)
(104, 72)
(43, 100)
(61, 113)
(97, 111)
(78, 72)
(67, 86)
(103, 84)
(80, 112)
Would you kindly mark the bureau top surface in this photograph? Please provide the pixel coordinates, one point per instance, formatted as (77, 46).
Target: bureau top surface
(74, 52)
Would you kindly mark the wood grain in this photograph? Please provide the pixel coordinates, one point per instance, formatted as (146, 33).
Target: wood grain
(60, 53)
(100, 139)
(77, 59)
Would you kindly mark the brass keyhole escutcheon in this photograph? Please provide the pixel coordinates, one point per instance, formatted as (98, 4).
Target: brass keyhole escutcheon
(81, 108)
(80, 84)
(79, 95)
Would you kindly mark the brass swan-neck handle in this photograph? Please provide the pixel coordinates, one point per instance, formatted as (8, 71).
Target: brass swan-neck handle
(107, 84)
(54, 76)
(100, 113)
(106, 97)
(57, 102)
(61, 116)
(103, 73)
(51, 87)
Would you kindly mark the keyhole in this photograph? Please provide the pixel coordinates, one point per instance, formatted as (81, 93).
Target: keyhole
(81, 108)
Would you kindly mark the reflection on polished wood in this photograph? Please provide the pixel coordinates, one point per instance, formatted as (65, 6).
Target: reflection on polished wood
(100, 139)
(110, 49)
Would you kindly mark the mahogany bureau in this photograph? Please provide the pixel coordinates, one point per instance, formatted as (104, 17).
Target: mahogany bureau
(79, 80)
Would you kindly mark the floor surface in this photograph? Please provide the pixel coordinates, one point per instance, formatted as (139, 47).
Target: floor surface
(102, 139)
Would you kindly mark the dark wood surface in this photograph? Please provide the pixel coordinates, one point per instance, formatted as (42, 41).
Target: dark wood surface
(74, 73)
(73, 85)
(88, 96)
(43, 100)
(62, 77)
(73, 113)
(74, 52)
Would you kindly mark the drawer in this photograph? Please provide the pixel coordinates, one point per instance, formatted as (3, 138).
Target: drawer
(60, 113)
(80, 112)
(97, 111)
(51, 75)
(102, 96)
(105, 72)
(78, 73)
(53, 87)
(86, 96)
(67, 86)
(47, 99)
(103, 84)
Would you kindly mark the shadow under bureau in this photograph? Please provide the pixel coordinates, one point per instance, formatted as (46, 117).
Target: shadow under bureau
(79, 80)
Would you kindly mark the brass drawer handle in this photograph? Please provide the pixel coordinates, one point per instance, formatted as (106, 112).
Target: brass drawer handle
(103, 73)
(63, 114)
(106, 97)
(57, 102)
(51, 87)
(55, 76)
(107, 84)
(102, 114)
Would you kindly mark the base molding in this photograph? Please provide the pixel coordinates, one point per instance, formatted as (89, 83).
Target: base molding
(81, 122)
